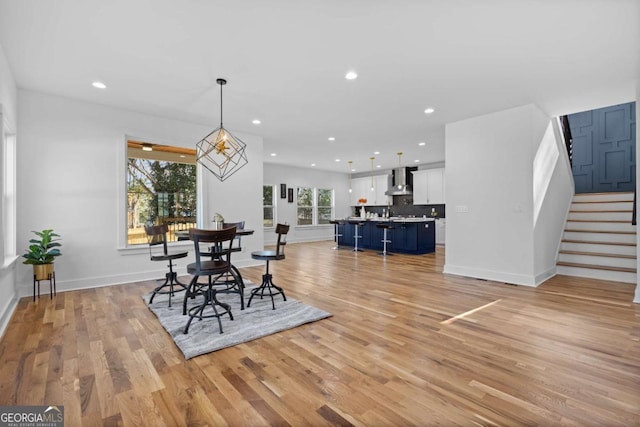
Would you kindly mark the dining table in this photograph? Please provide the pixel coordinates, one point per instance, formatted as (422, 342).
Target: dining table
(184, 234)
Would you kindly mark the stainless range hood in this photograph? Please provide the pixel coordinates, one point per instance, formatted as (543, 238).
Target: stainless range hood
(401, 183)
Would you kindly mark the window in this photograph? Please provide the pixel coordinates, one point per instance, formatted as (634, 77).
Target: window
(315, 206)
(325, 206)
(161, 189)
(268, 207)
(305, 206)
(8, 188)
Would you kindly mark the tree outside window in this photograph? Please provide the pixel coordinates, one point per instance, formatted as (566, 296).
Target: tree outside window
(161, 189)
(325, 206)
(315, 206)
(268, 207)
(305, 206)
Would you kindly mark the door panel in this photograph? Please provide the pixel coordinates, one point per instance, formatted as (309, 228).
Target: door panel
(604, 149)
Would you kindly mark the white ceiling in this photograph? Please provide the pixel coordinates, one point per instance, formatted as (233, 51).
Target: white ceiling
(285, 63)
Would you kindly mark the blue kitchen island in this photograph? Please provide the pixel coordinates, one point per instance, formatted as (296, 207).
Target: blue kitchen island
(407, 235)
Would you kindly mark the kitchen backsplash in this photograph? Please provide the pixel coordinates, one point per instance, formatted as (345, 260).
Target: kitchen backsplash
(405, 209)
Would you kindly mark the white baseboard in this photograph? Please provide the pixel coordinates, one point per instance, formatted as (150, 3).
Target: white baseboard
(7, 313)
(496, 276)
(545, 275)
(26, 289)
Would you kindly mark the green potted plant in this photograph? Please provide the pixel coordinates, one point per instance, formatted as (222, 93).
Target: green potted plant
(42, 252)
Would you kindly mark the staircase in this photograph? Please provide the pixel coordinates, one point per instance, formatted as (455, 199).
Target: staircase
(599, 240)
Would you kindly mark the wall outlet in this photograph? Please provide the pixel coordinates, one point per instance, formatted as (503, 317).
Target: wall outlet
(462, 209)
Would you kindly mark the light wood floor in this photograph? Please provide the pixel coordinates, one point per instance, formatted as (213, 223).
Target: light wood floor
(406, 346)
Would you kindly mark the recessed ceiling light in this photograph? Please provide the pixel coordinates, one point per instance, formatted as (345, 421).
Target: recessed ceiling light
(256, 122)
(351, 75)
(332, 138)
(99, 85)
(337, 160)
(313, 164)
(429, 110)
(273, 154)
(376, 152)
(182, 156)
(422, 143)
(378, 166)
(416, 161)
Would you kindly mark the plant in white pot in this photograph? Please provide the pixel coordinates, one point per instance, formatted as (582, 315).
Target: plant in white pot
(42, 252)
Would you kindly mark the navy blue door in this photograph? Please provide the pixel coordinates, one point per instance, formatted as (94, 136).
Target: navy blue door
(604, 145)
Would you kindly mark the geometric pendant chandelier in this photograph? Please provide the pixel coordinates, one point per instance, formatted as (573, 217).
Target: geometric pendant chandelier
(220, 152)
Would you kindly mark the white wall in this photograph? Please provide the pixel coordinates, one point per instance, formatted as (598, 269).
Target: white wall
(490, 204)
(305, 177)
(555, 199)
(71, 175)
(8, 91)
(8, 113)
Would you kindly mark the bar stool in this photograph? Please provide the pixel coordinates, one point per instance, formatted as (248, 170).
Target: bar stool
(267, 287)
(157, 238)
(211, 267)
(357, 223)
(385, 226)
(338, 225)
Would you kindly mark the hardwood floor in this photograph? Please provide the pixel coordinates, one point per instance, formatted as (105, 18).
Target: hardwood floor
(406, 345)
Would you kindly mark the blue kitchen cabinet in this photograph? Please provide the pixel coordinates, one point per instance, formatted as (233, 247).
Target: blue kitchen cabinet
(411, 237)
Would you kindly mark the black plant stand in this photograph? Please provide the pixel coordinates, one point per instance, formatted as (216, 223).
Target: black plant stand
(52, 285)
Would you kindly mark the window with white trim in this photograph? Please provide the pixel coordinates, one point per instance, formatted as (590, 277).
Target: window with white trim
(268, 206)
(161, 189)
(314, 206)
(8, 186)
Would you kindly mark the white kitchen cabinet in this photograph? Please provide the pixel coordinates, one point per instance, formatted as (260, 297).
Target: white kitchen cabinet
(420, 196)
(361, 189)
(428, 187)
(381, 183)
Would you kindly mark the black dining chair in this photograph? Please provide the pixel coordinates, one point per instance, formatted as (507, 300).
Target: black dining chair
(158, 251)
(268, 287)
(228, 283)
(214, 267)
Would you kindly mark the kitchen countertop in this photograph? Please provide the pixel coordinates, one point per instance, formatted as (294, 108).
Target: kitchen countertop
(393, 219)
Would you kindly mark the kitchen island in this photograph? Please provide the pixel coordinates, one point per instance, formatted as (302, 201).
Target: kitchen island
(408, 235)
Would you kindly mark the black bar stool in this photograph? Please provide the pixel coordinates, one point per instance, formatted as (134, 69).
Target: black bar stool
(157, 237)
(267, 287)
(357, 223)
(338, 226)
(385, 226)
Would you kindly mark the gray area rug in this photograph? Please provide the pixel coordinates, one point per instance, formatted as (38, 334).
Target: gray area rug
(253, 322)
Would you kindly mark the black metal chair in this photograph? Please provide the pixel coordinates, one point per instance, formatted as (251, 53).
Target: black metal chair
(227, 283)
(213, 267)
(157, 238)
(268, 287)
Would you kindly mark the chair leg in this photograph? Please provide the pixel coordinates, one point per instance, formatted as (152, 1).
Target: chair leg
(171, 279)
(337, 235)
(240, 281)
(267, 288)
(385, 240)
(356, 236)
(188, 294)
(209, 299)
